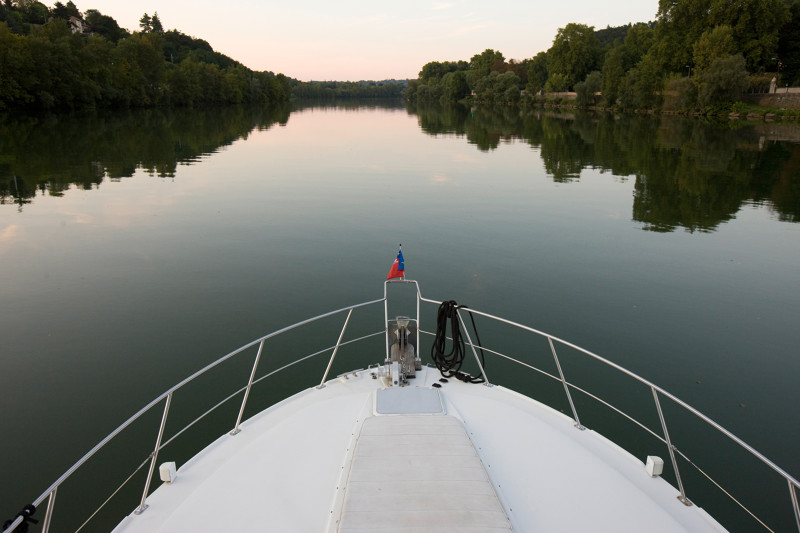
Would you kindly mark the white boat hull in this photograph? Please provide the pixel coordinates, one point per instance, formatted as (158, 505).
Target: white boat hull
(497, 461)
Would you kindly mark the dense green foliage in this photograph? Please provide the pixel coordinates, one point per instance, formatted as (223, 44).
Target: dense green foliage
(789, 47)
(487, 77)
(697, 55)
(105, 26)
(68, 62)
(574, 54)
(322, 90)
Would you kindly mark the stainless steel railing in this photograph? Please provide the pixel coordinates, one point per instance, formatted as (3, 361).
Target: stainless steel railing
(166, 398)
(657, 392)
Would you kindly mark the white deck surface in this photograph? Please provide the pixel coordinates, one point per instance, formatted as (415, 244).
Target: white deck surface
(328, 460)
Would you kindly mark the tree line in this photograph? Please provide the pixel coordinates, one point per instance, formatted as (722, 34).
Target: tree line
(59, 58)
(696, 55)
(334, 90)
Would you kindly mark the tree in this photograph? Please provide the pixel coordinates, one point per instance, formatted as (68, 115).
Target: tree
(588, 88)
(622, 58)
(680, 94)
(518, 68)
(15, 65)
(61, 11)
(613, 73)
(499, 88)
(556, 83)
(145, 23)
(32, 11)
(485, 87)
(507, 87)
(105, 26)
(455, 85)
(722, 82)
(139, 69)
(482, 63)
(12, 18)
(712, 45)
(537, 72)
(679, 25)
(574, 54)
(755, 25)
(638, 41)
(155, 24)
(789, 48)
(641, 87)
(610, 37)
(431, 72)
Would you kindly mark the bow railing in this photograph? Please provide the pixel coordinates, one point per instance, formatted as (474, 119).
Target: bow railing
(554, 344)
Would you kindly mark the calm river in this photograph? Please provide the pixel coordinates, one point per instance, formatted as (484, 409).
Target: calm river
(138, 247)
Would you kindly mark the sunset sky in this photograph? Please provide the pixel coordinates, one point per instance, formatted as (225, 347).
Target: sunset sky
(359, 40)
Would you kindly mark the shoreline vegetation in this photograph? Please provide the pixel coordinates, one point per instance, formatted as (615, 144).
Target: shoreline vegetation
(698, 58)
(751, 108)
(59, 59)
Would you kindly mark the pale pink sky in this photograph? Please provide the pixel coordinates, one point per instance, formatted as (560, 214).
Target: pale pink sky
(360, 40)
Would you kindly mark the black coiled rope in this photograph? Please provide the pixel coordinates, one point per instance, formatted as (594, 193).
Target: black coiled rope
(449, 363)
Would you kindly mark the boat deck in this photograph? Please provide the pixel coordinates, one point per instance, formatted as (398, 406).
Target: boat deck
(411, 472)
(354, 456)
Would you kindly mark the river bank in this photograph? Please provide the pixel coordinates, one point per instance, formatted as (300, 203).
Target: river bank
(751, 107)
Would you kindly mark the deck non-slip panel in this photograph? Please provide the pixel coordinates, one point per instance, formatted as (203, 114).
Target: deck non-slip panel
(420, 473)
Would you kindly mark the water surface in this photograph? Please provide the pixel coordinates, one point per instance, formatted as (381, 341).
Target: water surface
(138, 247)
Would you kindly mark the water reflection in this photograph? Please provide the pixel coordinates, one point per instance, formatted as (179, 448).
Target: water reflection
(689, 173)
(349, 104)
(50, 155)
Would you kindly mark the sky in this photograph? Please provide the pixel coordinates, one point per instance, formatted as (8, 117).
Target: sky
(350, 40)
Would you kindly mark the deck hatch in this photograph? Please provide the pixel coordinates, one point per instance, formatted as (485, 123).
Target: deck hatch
(408, 400)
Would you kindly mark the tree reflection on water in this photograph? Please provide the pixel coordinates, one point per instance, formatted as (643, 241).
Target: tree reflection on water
(50, 155)
(689, 173)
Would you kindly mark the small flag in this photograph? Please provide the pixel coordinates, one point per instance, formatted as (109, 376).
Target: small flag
(398, 269)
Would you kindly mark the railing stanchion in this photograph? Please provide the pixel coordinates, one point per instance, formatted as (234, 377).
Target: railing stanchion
(682, 497)
(566, 387)
(143, 506)
(335, 349)
(247, 391)
(477, 359)
(48, 515)
(386, 320)
(795, 505)
(419, 357)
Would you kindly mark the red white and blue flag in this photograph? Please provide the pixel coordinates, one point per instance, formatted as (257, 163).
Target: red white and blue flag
(398, 269)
